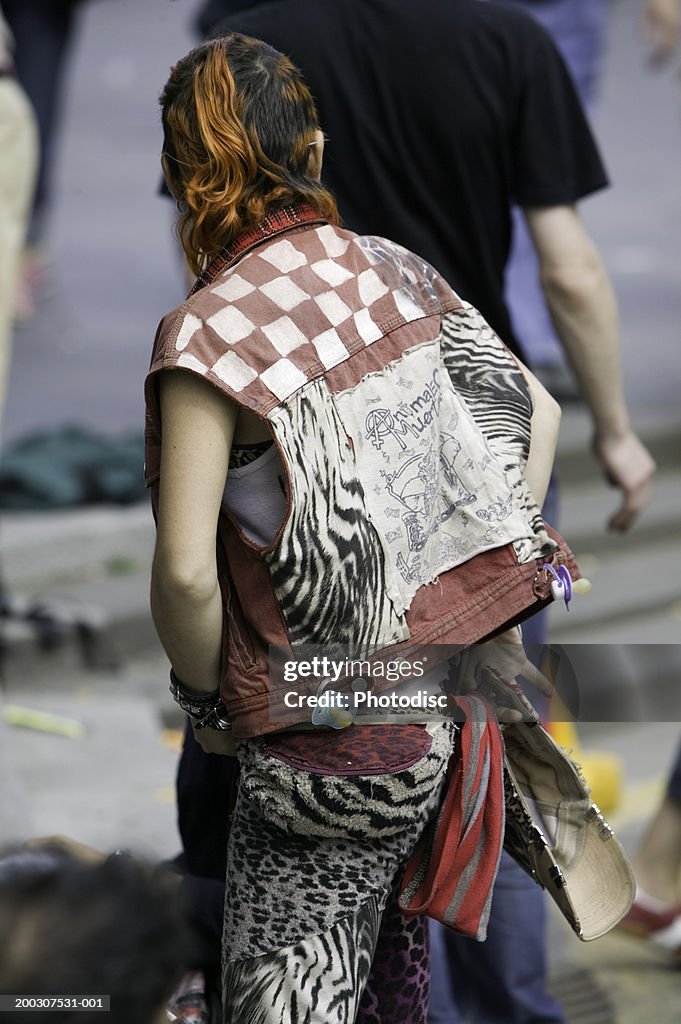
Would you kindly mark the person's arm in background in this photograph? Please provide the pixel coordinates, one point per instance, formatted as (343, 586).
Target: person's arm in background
(545, 426)
(661, 28)
(584, 311)
(198, 426)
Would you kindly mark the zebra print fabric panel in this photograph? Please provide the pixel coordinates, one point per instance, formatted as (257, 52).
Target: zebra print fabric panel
(328, 568)
(319, 980)
(487, 377)
(306, 850)
(337, 806)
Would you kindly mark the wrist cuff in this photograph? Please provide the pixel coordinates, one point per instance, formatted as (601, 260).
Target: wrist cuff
(206, 710)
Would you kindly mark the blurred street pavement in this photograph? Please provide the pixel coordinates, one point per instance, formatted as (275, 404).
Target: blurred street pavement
(82, 360)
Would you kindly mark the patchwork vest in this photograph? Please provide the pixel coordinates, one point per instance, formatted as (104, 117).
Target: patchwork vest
(403, 425)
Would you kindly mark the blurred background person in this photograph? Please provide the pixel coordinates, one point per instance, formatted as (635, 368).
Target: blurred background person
(43, 32)
(98, 929)
(579, 30)
(661, 28)
(462, 223)
(18, 159)
(656, 913)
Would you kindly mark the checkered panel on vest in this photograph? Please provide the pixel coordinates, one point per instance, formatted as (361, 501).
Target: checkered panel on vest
(291, 309)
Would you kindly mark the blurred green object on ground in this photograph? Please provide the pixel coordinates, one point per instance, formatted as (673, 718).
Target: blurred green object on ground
(41, 721)
(71, 466)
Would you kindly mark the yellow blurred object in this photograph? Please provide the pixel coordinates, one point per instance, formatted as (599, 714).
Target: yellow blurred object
(42, 721)
(602, 772)
(164, 795)
(582, 586)
(564, 733)
(173, 739)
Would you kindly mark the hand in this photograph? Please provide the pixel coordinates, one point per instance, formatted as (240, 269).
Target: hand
(86, 854)
(627, 464)
(492, 668)
(661, 28)
(215, 741)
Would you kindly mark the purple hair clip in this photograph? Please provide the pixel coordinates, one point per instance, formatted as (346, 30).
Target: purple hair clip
(561, 585)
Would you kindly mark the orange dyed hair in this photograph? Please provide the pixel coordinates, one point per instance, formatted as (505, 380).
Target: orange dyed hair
(238, 121)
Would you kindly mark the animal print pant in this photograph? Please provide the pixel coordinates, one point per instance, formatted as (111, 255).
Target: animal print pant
(311, 864)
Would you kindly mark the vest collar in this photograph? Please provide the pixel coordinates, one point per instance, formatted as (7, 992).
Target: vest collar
(274, 223)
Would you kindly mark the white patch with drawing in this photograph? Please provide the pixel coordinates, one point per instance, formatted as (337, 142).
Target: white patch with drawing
(420, 458)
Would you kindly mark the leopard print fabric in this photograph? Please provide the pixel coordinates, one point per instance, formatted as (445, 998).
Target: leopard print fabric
(383, 750)
(399, 983)
(522, 839)
(244, 454)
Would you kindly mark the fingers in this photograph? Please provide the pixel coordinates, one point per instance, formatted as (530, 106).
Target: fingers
(634, 502)
(215, 741)
(506, 661)
(627, 464)
(506, 697)
(537, 678)
(507, 716)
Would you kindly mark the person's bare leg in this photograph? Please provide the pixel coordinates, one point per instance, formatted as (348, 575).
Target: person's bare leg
(657, 864)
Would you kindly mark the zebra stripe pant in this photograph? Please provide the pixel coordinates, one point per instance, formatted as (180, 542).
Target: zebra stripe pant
(319, 980)
(305, 905)
(396, 992)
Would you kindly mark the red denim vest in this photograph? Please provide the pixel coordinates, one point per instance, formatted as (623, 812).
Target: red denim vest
(402, 423)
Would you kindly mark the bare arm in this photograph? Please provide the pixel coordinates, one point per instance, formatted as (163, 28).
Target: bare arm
(584, 312)
(198, 425)
(661, 28)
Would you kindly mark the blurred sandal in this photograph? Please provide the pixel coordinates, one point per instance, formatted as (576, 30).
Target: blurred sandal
(652, 919)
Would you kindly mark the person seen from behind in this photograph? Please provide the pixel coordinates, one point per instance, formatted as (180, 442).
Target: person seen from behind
(274, 468)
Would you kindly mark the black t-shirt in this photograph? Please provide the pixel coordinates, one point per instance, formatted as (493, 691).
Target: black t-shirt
(439, 115)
